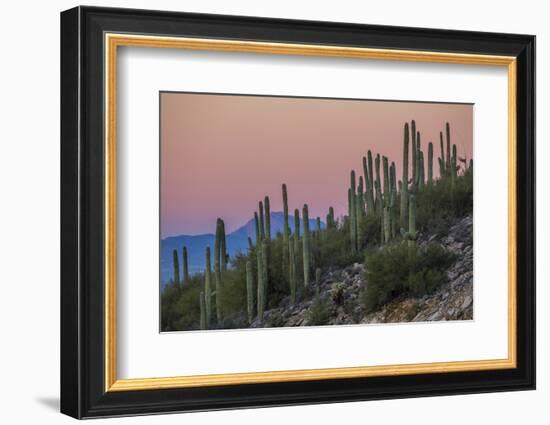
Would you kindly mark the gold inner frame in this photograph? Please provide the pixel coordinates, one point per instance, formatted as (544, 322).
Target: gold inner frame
(113, 41)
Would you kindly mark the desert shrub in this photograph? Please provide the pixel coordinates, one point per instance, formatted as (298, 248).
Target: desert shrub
(333, 250)
(318, 313)
(233, 292)
(396, 270)
(369, 230)
(337, 293)
(180, 308)
(441, 203)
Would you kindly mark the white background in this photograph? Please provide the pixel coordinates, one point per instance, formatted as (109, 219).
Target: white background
(29, 225)
(145, 72)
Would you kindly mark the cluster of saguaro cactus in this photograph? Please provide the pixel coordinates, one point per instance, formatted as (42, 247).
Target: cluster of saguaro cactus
(448, 162)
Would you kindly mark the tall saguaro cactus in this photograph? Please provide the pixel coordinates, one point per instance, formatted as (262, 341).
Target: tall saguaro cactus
(176, 264)
(305, 245)
(442, 158)
(267, 218)
(378, 185)
(261, 283)
(261, 215)
(218, 266)
(371, 182)
(430, 162)
(369, 200)
(223, 247)
(386, 212)
(265, 273)
(331, 223)
(257, 227)
(448, 158)
(249, 291)
(414, 149)
(286, 270)
(317, 281)
(352, 213)
(412, 221)
(292, 272)
(296, 240)
(185, 266)
(202, 311)
(405, 186)
(208, 286)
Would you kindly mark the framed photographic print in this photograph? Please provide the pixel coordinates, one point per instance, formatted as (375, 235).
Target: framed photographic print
(261, 212)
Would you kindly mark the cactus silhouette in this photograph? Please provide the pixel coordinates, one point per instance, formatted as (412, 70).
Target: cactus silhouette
(305, 245)
(176, 267)
(430, 162)
(405, 178)
(267, 219)
(208, 287)
(185, 265)
(286, 270)
(249, 291)
(202, 311)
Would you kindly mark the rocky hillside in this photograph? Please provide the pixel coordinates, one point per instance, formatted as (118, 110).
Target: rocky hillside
(340, 291)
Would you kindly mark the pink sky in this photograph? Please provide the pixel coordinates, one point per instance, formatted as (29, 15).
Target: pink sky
(221, 154)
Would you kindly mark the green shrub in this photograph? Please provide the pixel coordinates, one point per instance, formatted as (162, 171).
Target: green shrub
(318, 313)
(439, 204)
(397, 270)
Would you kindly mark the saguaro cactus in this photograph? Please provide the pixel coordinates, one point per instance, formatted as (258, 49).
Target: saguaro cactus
(292, 272)
(286, 270)
(267, 219)
(185, 265)
(265, 272)
(217, 268)
(369, 200)
(448, 160)
(249, 291)
(331, 224)
(442, 158)
(378, 184)
(386, 214)
(430, 162)
(296, 240)
(305, 244)
(371, 182)
(261, 283)
(223, 248)
(317, 280)
(412, 221)
(176, 264)
(405, 186)
(208, 287)
(203, 311)
(261, 215)
(352, 213)
(257, 225)
(414, 149)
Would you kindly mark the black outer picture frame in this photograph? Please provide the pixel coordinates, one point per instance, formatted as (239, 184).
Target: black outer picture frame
(82, 218)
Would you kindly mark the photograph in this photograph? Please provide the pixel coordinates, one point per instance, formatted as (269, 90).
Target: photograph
(280, 211)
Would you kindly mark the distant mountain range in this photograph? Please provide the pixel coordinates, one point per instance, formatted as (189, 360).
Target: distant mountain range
(237, 241)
